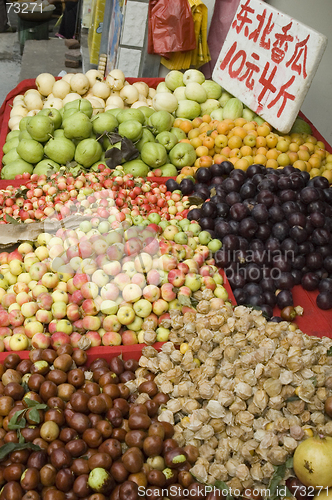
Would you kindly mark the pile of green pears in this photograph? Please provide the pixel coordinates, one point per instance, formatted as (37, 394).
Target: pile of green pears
(75, 138)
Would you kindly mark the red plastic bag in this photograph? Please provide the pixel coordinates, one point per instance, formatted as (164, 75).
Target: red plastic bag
(171, 27)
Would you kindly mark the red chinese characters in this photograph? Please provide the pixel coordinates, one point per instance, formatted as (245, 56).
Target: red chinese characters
(243, 19)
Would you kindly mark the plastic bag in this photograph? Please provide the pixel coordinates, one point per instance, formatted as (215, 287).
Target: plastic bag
(200, 55)
(171, 27)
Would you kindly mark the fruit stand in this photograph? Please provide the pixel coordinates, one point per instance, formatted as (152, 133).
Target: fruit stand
(162, 335)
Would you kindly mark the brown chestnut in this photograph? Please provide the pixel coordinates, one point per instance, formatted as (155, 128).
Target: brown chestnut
(24, 366)
(79, 422)
(6, 404)
(12, 360)
(54, 445)
(153, 446)
(30, 433)
(65, 349)
(57, 376)
(119, 472)
(119, 434)
(81, 487)
(133, 460)
(192, 453)
(157, 429)
(19, 456)
(112, 447)
(98, 372)
(149, 387)
(108, 378)
(129, 491)
(152, 407)
(135, 438)
(175, 457)
(13, 472)
(65, 391)
(116, 365)
(139, 421)
(54, 494)
(108, 400)
(185, 478)
(139, 478)
(30, 479)
(114, 416)
(138, 409)
(122, 405)
(37, 460)
(105, 428)
(80, 357)
(49, 355)
(91, 388)
(111, 390)
(31, 495)
(76, 377)
(68, 434)
(98, 363)
(63, 362)
(11, 491)
(102, 460)
(64, 480)
(161, 399)
(97, 404)
(131, 365)
(79, 401)
(14, 390)
(56, 403)
(169, 444)
(94, 418)
(76, 447)
(156, 478)
(80, 466)
(47, 475)
(169, 430)
(126, 376)
(55, 415)
(93, 438)
(61, 458)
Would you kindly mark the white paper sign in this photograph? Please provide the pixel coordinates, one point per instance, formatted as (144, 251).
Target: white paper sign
(268, 61)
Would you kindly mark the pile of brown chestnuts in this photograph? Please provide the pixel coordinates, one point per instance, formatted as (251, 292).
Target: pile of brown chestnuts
(72, 432)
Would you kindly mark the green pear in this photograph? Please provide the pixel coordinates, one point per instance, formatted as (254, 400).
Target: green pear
(30, 150)
(46, 167)
(12, 134)
(40, 127)
(147, 136)
(60, 149)
(147, 112)
(82, 105)
(77, 126)
(137, 168)
(132, 129)
(167, 139)
(13, 143)
(59, 132)
(67, 113)
(24, 122)
(160, 121)
(17, 167)
(88, 152)
(24, 135)
(54, 114)
(104, 122)
(114, 111)
(131, 114)
(12, 155)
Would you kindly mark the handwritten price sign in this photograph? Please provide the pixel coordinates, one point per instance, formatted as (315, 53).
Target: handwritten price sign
(268, 60)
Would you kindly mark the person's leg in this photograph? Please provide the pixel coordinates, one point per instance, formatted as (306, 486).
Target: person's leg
(3, 16)
(68, 24)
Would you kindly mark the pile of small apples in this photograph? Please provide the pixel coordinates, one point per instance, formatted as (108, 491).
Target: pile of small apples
(94, 193)
(103, 93)
(95, 285)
